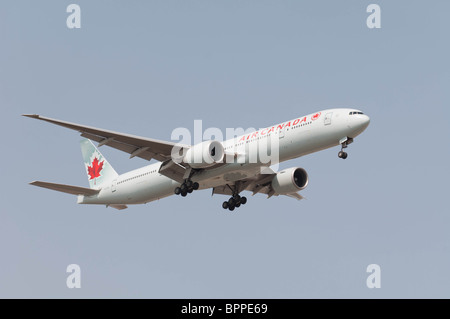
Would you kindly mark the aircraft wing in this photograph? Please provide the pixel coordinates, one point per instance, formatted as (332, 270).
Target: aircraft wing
(258, 184)
(136, 146)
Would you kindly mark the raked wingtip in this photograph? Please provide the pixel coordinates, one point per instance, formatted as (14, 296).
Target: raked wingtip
(34, 116)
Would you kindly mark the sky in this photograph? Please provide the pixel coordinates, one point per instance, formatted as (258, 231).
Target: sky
(146, 68)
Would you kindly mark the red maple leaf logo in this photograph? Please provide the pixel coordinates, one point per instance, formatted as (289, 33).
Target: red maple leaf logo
(94, 170)
(315, 116)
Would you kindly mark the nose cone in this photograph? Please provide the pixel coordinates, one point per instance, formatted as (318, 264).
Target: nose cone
(363, 122)
(358, 123)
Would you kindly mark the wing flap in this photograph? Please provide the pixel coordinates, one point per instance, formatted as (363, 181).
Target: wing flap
(118, 206)
(173, 170)
(74, 190)
(258, 184)
(296, 196)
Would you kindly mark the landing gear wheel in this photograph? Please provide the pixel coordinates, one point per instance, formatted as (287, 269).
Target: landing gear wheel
(187, 187)
(342, 155)
(235, 200)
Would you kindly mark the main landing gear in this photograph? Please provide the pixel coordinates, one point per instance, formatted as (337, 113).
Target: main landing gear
(235, 201)
(344, 144)
(186, 188)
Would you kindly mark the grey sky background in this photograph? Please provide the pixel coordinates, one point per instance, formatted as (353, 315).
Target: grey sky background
(146, 68)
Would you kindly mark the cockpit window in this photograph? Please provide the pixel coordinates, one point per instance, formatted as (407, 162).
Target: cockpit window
(352, 113)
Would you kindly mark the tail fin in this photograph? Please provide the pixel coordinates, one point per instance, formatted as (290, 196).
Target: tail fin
(98, 169)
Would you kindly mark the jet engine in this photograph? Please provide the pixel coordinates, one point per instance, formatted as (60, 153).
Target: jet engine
(204, 154)
(290, 180)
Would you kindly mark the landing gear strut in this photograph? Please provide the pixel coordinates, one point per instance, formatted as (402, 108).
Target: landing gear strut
(235, 201)
(344, 144)
(186, 188)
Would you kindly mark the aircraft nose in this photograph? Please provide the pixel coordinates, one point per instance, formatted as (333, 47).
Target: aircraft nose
(358, 123)
(364, 121)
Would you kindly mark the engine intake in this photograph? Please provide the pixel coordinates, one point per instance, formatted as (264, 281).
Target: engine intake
(290, 181)
(204, 154)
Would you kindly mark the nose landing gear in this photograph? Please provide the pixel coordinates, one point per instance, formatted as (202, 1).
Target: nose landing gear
(344, 143)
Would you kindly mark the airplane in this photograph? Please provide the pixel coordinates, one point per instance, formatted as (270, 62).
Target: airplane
(181, 175)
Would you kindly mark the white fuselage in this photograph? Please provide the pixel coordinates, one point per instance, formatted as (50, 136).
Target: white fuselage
(295, 138)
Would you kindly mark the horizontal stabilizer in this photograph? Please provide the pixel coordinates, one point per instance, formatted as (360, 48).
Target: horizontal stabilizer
(74, 190)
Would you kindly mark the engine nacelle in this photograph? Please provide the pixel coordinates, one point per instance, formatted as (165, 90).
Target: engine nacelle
(290, 180)
(204, 154)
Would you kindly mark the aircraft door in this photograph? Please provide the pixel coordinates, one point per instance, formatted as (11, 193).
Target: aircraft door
(327, 120)
(282, 132)
(113, 185)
